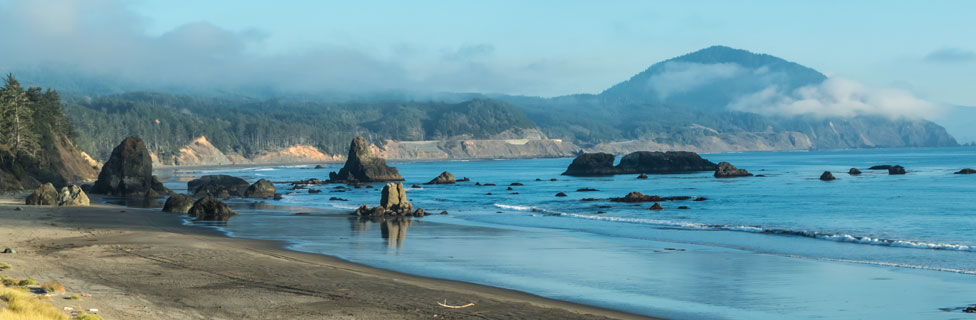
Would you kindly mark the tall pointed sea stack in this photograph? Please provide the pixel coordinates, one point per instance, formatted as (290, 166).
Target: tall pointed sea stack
(363, 166)
(128, 172)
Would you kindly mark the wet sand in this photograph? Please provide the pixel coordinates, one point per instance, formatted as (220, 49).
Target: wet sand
(140, 264)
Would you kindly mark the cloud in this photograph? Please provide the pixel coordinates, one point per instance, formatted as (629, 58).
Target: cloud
(105, 40)
(678, 77)
(951, 55)
(837, 97)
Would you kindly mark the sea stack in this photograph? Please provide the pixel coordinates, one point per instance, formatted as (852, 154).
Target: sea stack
(727, 170)
(854, 172)
(896, 170)
(363, 166)
(591, 164)
(128, 171)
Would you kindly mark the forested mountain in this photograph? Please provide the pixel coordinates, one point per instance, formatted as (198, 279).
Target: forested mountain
(691, 102)
(34, 139)
(248, 127)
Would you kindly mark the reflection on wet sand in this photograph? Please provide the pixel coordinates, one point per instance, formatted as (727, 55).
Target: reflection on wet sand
(393, 229)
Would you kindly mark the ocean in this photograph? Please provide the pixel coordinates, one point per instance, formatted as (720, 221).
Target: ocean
(781, 246)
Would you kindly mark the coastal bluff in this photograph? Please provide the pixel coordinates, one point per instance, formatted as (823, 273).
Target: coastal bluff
(641, 162)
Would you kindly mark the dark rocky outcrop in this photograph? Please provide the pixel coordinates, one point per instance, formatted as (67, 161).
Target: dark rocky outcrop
(221, 186)
(393, 202)
(854, 172)
(966, 171)
(643, 162)
(128, 171)
(72, 196)
(727, 170)
(178, 203)
(656, 206)
(586, 190)
(827, 176)
(260, 189)
(210, 209)
(663, 162)
(880, 167)
(363, 166)
(319, 166)
(45, 195)
(560, 194)
(278, 196)
(592, 164)
(896, 170)
(642, 176)
(444, 178)
(634, 197)
(465, 179)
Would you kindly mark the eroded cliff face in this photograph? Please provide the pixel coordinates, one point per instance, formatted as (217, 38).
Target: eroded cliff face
(200, 152)
(713, 143)
(296, 154)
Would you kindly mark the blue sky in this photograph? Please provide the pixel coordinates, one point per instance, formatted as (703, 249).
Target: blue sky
(563, 47)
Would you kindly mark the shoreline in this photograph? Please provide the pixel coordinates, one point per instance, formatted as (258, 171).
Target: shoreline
(150, 264)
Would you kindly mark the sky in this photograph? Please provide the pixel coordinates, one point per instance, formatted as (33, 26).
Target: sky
(546, 48)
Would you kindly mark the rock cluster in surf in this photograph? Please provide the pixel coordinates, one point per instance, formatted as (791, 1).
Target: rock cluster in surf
(641, 162)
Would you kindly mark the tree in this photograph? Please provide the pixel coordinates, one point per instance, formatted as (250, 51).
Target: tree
(16, 120)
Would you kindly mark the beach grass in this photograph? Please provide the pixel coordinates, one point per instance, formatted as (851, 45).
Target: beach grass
(52, 287)
(87, 316)
(22, 305)
(28, 282)
(4, 266)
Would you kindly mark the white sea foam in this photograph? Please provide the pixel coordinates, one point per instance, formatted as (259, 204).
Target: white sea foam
(265, 169)
(757, 229)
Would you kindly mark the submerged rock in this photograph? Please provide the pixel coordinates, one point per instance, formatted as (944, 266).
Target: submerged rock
(827, 176)
(656, 206)
(560, 194)
(966, 171)
(444, 178)
(880, 167)
(72, 196)
(210, 209)
(642, 176)
(363, 166)
(896, 170)
(634, 197)
(854, 172)
(727, 170)
(178, 203)
(45, 195)
(260, 189)
(128, 171)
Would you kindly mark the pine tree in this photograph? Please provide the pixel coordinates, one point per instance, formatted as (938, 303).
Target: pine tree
(16, 118)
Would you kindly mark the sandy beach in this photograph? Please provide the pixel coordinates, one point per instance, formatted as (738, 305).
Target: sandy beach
(144, 264)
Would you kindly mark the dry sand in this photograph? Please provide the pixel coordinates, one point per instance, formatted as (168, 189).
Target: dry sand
(144, 264)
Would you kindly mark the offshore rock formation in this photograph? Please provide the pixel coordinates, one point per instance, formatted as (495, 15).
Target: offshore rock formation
(896, 170)
(363, 166)
(444, 178)
(854, 172)
(827, 176)
(727, 170)
(260, 189)
(966, 171)
(642, 162)
(128, 171)
(210, 209)
(393, 202)
(221, 186)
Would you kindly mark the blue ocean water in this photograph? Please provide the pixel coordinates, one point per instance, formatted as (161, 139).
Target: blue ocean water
(785, 245)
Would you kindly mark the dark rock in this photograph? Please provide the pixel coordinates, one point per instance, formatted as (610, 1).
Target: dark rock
(601, 212)
(278, 196)
(9, 250)
(509, 189)
(727, 170)
(854, 172)
(589, 199)
(45, 195)
(684, 208)
(260, 189)
(676, 198)
(416, 186)
(591, 164)
(210, 209)
(419, 212)
(827, 176)
(444, 178)
(363, 210)
(18, 209)
(178, 203)
(970, 309)
(966, 171)
(636, 197)
(560, 194)
(881, 167)
(537, 179)
(337, 199)
(318, 166)
(302, 214)
(489, 184)
(369, 187)
(656, 206)
(896, 170)
(516, 184)
(663, 162)
(363, 166)
(220, 185)
(586, 190)
(443, 212)
(642, 176)
(700, 199)
(488, 194)
(553, 179)
(477, 183)
(605, 207)
(128, 171)
(465, 179)
(312, 191)
(514, 193)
